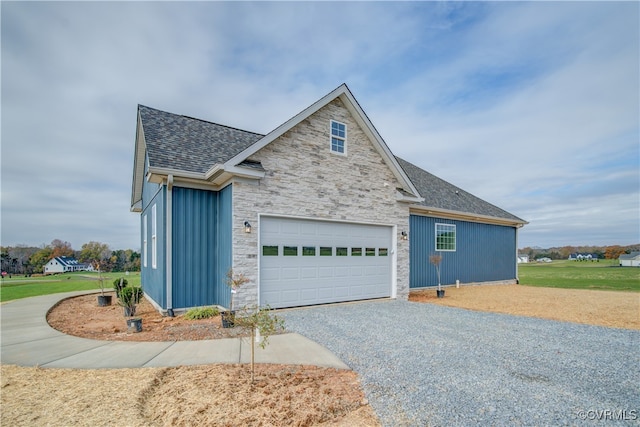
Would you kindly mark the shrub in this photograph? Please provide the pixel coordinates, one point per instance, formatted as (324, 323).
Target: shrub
(129, 297)
(201, 313)
(119, 287)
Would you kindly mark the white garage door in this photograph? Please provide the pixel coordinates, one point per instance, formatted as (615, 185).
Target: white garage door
(305, 262)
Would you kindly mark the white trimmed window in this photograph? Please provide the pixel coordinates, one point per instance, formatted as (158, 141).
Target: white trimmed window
(144, 241)
(154, 240)
(338, 137)
(445, 237)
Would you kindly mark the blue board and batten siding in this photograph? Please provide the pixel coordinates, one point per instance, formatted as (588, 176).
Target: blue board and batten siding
(201, 246)
(153, 279)
(484, 253)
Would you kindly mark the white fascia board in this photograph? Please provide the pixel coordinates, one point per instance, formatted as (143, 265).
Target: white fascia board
(244, 172)
(163, 173)
(409, 199)
(138, 164)
(214, 171)
(464, 216)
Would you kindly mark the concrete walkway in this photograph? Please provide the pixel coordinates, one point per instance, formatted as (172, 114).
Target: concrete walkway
(26, 339)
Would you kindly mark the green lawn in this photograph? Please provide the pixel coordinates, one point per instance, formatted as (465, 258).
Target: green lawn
(605, 275)
(22, 287)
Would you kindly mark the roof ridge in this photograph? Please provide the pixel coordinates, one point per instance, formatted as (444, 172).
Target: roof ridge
(201, 120)
(221, 125)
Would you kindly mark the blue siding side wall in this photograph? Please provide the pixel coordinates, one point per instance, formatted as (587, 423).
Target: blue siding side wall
(225, 244)
(153, 279)
(483, 253)
(201, 247)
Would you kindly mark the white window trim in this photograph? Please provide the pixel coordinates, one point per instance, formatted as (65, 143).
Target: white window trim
(154, 240)
(455, 241)
(331, 136)
(144, 241)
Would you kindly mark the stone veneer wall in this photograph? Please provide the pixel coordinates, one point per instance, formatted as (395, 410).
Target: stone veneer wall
(304, 179)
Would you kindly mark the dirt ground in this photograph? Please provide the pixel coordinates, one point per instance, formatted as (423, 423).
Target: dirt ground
(223, 395)
(604, 308)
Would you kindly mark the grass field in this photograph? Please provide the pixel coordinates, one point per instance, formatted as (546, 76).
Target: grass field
(22, 287)
(604, 275)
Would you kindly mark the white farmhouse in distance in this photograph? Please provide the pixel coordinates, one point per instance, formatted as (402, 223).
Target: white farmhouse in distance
(65, 264)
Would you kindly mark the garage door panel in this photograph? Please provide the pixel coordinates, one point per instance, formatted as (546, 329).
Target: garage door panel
(309, 273)
(318, 274)
(325, 272)
(341, 272)
(288, 273)
(270, 273)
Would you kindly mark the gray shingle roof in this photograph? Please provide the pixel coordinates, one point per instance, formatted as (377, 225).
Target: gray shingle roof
(184, 143)
(438, 193)
(188, 144)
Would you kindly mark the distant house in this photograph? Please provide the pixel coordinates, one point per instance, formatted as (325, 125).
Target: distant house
(630, 260)
(65, 264)
(523, 259)
(544, 259)
(583, 257)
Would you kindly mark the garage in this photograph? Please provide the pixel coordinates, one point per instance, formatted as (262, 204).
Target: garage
(307, 262)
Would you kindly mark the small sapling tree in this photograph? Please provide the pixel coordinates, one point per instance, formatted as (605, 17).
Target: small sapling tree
(261, 320)
(436, 260)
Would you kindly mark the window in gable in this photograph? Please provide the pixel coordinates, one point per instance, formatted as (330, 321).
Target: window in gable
(338, 137)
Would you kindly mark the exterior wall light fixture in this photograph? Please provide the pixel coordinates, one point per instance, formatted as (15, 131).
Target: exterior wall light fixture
(247, 227)
(404, 235)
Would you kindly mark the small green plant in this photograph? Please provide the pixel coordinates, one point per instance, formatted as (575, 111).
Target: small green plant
(261, 320)
(129, 299)
(201, 313)
(119, 284)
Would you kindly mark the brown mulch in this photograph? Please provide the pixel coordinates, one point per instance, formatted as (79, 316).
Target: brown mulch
(82, 317)
(212, 395)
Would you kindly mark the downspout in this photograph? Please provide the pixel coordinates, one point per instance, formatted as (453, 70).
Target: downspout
(169, 249)
(517, 266)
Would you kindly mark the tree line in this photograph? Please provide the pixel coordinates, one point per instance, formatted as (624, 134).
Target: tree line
(603, 252)
(23, 259)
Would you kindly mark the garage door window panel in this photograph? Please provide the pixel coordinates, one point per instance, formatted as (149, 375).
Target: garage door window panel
(290, 250)
(269, 250)
(326, 251)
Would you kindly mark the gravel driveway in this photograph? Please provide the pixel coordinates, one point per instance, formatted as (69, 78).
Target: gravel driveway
(423, 364)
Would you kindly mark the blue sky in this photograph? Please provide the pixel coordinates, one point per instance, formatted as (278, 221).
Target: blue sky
(533, 107)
